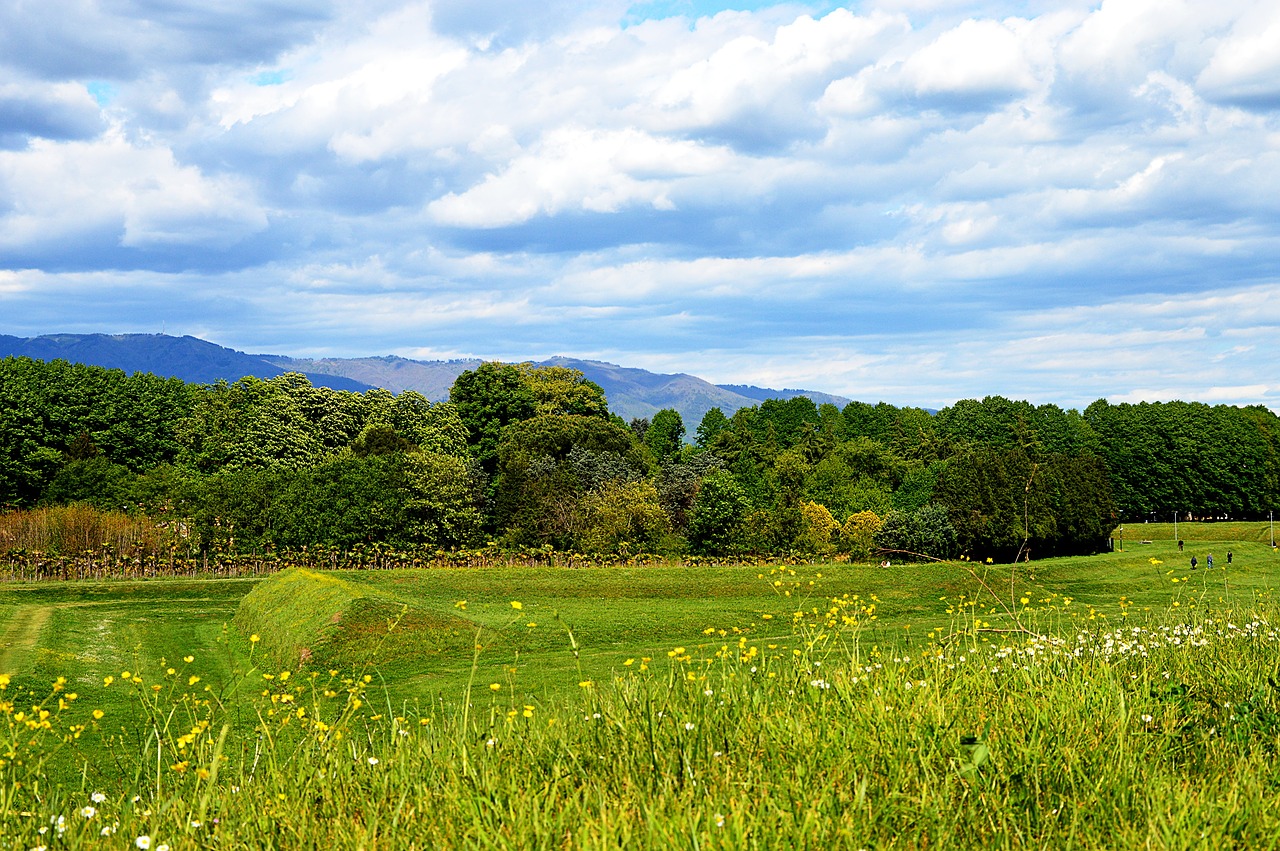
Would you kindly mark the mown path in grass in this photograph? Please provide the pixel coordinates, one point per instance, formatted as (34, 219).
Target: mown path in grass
(21, 635)
(86, 631)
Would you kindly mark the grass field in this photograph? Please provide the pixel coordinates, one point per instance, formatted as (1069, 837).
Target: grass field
(851, 702)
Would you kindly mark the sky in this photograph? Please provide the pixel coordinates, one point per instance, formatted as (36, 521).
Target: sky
(911, 201)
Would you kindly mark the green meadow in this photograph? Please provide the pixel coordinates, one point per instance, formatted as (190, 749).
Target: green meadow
(1116, 700)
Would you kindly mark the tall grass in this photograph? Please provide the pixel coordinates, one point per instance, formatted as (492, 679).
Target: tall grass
(78, 529)
(1125, 730)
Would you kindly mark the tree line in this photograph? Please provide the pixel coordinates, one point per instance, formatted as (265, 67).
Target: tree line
(524, 456)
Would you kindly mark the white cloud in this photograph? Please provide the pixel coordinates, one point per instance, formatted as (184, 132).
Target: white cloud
(47, 110)
(916, 200)
(578, 170)
(977, 57)
(755, 74)
(59, 191)
(1245, 66)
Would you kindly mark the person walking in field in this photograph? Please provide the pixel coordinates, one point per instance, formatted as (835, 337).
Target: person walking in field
(1208, 562)
(1228, 556)
(1179, 545)
(1194, 564)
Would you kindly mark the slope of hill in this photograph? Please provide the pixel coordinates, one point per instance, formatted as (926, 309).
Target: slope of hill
(639, 393)
(631, 392)
(430, 378)
(189, 358)
(759, 394)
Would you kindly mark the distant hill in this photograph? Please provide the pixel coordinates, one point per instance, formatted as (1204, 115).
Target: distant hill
(189, 358)
(430, 378)
(631, 392)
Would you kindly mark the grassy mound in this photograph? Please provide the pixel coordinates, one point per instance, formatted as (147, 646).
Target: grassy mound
(304, 617)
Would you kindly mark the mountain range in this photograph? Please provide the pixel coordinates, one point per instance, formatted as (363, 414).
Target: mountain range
(631, 392)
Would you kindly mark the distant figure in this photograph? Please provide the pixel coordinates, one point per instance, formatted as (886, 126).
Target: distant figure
(1179, 545)
(1194, 565)
(1228, 556)
(1208, 562)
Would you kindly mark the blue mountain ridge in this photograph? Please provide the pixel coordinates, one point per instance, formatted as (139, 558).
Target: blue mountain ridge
(631, 392)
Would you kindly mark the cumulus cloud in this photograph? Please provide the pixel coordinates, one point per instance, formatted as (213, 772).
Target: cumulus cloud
(914, 200)
(1245, 66)
(82, 38)
(60, 192)
(574, 169)
(57, 111)
(982, 59)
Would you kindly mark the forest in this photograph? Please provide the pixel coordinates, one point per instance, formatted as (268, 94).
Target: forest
(531, 457)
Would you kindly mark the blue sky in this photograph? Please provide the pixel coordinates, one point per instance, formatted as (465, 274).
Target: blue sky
(913, 201)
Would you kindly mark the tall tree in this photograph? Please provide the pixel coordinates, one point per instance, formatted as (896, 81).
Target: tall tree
(489, 398)
(665, 434)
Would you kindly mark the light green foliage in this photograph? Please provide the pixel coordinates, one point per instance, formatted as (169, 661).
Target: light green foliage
(858, 534)
(252, 424)
(334, 417)
(440, 430)
(443, 500)
(817, 529)
(432, 427)
(562, 390)
(622, 517)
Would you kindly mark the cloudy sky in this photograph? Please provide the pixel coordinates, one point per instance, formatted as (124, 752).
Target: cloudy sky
(908, 200)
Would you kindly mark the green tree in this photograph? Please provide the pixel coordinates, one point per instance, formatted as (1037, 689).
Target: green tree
(47, 409)
(252, 424)
(94, 480)
(341, 502)
(718, 515)
(379, 439)
(547, 463)
(444, 494)
(665, 434)
(622, 517)
(563, 390)
(910, 536)
(713, 422)
(488, 399)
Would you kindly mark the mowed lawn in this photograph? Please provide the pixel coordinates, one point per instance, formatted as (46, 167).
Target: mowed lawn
(85, 631)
